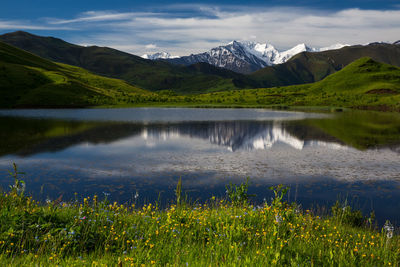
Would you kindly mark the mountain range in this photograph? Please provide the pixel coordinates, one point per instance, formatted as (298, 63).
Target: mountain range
(147, 74)
(201, 77)
(242, 57)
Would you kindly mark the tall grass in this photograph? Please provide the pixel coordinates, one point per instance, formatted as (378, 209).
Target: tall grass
(219, 232)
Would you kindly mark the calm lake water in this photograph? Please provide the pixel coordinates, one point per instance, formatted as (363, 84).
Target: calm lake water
(353, 156)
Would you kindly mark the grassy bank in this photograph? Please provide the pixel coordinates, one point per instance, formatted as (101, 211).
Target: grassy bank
(220, 232)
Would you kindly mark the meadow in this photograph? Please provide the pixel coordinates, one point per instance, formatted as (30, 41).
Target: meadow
(227, 231)
(363, 84)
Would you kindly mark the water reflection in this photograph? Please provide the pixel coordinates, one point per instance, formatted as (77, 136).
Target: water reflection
(351, 154)
(239, 135)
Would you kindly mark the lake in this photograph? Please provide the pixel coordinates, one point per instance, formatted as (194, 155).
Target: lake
(353, 156)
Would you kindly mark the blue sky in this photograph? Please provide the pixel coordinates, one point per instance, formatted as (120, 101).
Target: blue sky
(184, 27)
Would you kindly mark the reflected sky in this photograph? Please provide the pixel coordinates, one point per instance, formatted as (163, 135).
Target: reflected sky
(62, 156)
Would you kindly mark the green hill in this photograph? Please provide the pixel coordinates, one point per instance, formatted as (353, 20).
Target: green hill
(147, 74)
(306, 67)
(28, 80)
(365, 84)
(309, 67)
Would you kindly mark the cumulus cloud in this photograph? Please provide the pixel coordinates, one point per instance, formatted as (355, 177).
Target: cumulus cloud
(186, 29)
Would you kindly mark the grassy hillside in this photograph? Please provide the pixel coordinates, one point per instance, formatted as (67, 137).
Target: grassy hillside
(364, 83)
(28, 80)
(303, 68)
(308, 67)
(148, 74)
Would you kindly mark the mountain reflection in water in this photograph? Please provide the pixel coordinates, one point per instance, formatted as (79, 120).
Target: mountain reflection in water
(353, 154)
(239, 135)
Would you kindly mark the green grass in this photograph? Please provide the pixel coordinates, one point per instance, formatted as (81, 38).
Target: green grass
(221, 232)
(30, 81)
(309, 67)
(364, 84)
(139, 72)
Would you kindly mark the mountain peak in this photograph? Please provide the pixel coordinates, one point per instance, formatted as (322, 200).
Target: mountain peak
(22, 33)
(158, 55)
(243, 56)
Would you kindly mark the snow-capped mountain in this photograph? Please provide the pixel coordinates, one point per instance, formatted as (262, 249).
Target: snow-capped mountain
(243, 57)
(159, 55)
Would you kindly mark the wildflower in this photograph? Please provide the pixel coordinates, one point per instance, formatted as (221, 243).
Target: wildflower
(388, 227)
(278, 218)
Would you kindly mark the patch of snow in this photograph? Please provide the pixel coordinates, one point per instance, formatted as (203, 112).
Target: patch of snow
(159, 55)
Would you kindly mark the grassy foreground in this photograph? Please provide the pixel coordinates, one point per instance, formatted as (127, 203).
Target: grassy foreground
(218, 233)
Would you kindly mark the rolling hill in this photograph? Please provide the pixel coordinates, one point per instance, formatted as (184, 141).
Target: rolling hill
(305, 67)
(147, 74)
(308, 67)
(364, 84)
(28, 80)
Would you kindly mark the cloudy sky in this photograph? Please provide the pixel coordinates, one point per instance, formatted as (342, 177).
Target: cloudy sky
(184, 27)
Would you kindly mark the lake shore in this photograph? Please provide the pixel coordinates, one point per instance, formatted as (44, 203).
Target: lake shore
(224, 232)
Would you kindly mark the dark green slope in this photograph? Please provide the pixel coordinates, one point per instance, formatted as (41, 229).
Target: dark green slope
(363, 84)
(364, 75)
(28, 80)
(308, 67)
(148, 74)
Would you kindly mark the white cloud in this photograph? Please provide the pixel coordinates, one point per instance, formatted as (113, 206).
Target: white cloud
(151, 46)
(27, 25)
(201, 27)
(100, 16)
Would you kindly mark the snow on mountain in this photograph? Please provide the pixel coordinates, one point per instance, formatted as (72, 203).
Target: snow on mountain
(159, 55)
(286, 55)
(243, 57)
(332, 47)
